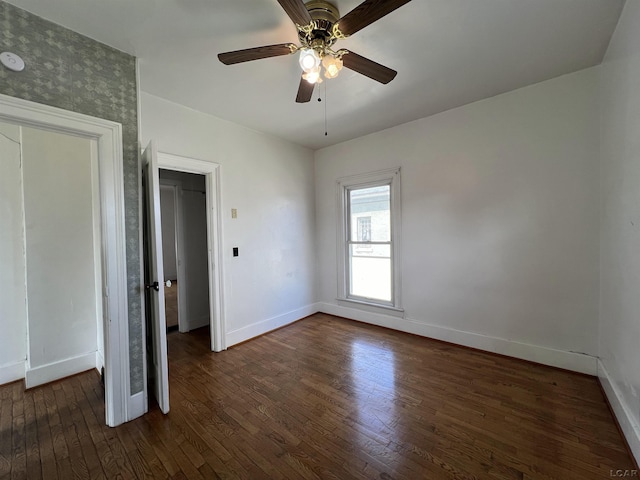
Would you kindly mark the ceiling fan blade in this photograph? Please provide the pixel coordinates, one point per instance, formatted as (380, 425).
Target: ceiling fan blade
(305, 91)
(249, 54)
(366, 13)
(297, 11)
(367, 67)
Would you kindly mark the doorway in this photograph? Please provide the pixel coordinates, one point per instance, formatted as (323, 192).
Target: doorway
(62, 255)
(39, 236)
(208, 259)
(215, 247)
(184, 247)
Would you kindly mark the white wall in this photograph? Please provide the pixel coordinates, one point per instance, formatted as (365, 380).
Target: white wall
(61, 274)
(270, 182)
(499, 221)
(167, 211)
(13, 293)
(194, 222)
(620, 220)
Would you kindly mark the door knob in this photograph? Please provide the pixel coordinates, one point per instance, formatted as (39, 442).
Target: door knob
(168, 283)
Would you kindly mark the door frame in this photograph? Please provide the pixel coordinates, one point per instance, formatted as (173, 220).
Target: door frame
(211, 171)
(108, 135)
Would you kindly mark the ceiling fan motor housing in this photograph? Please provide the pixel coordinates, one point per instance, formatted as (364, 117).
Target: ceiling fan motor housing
(322, 10)
(324, 15)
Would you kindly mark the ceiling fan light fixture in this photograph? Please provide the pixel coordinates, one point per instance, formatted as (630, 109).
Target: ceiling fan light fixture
(313, 76)
(332, 66)
(309, 59)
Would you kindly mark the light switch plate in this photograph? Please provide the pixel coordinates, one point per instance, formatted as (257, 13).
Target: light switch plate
(234, 213)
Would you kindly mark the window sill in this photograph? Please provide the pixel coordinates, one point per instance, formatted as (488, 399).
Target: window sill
(372, 306)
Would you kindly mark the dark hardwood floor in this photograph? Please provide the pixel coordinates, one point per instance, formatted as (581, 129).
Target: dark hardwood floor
(322, 398)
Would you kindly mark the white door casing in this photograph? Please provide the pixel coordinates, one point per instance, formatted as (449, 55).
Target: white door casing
(211, 171)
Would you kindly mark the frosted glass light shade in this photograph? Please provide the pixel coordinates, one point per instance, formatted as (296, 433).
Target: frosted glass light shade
(332, 66)
(313, 76)
(309, 59)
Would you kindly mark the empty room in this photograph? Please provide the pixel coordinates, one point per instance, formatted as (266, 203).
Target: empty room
(322, 239)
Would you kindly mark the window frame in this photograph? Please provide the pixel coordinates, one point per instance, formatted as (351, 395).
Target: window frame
(389, 177)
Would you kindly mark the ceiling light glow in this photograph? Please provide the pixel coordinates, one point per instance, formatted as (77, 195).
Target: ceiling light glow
(313, 76)
(332, 66)
(309, 59)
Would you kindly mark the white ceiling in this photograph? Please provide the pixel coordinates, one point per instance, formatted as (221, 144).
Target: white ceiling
(447, 53)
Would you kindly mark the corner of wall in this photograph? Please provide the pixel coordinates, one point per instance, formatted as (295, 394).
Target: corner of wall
(622, 412)
(12, 372)
(260, 328)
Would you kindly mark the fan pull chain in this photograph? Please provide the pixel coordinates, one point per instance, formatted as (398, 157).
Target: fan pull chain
(325, 109)
(325, 105)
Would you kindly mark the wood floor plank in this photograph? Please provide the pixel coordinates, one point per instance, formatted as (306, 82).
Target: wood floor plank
(77, 457)
(6, 420)
(324, 398)
(93, 413)
(45, 440)
(18, 435)
(75, 399)
(165, 432)
(146, 451)
(34, 467)
(60, 449)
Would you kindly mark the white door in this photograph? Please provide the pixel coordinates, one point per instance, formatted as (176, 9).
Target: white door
(159, 370)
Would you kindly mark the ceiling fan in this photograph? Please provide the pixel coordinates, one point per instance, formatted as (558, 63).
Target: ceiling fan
(319, 27)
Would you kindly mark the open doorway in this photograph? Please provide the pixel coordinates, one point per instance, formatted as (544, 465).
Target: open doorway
(51, 280)
(184, 250)
(209, 259)
(214, 258)
(40, 215)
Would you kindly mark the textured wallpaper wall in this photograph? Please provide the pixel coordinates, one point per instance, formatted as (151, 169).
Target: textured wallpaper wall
(67, 70)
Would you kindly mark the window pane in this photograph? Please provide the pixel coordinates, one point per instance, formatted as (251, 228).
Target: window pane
(363, 229)
(370, 271)
(370, 214)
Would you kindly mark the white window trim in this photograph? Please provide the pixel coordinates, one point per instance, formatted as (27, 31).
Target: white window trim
(381, 177)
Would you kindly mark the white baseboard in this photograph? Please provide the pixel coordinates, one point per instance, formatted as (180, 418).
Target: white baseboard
(12, 372)
(630, 426)
(57, 370)
(99, 360)
(264, 326)
(577, 362)
(203, 321)
(137, 406)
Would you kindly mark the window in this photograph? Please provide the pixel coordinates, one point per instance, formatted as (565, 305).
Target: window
(369, 230)
(364, 229)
